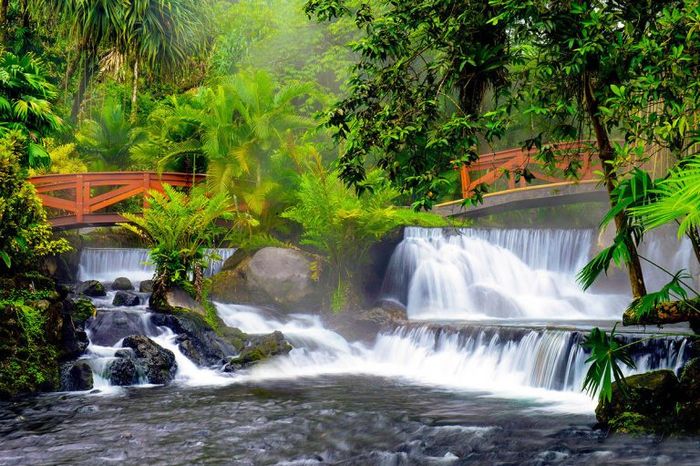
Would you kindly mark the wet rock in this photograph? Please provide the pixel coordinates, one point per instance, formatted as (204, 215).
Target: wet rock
(198, 341)
(260, 348)
(690, 381)
(108, 327)
(123, 284)
(158, 363)
(76, 376)
(124, 298)
(91, 288)
(174, 299)
(122, 372)
(365, 324)
(652, 395)
(146, 286)
(272, 275)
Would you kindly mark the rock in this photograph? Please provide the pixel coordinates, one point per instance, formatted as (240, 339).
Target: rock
(273, 275)
(631, 423)
(122, 372)
(690, 381)
(108, 327)
(260, 348)
(173, 299)
(198, 341)
(74, 339)
(77, 376)
(687, 417)
(366, 324)
(124, 298)
(123, 284)
(146, 286)
(91, 288)
(652, 394)
(158, 363)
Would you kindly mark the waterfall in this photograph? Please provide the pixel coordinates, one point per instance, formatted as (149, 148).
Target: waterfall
(517, 362)
(106, 264)
(495, 274)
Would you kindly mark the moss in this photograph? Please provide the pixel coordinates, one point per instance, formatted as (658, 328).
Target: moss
(631, 423)
(28, 361)
(84, 309)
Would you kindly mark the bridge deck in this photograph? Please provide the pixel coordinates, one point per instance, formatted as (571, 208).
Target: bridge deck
(545, 195)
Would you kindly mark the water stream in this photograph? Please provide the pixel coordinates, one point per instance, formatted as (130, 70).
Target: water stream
(488, 371)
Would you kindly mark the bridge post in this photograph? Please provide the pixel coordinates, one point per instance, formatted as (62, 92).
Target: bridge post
(146, 188)
(79, 198)
(464, 175)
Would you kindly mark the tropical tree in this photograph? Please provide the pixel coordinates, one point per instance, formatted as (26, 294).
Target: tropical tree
(25, 234)
(25, 106)
(246, 120)
(107, 137)
(416, 94)
(162, 35)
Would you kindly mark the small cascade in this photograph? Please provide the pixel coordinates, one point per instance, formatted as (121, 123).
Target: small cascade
(106, 264)
(495, 274)
(518, 362)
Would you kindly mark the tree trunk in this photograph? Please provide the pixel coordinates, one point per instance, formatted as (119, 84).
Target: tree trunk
(88, 60)
(4, 6)
(607, 157)
(134, 92)
(198, 281)
(695, 241)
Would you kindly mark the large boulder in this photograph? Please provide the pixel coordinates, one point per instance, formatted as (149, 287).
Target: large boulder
(123, 284)
(272, 275)
(108, 327)
(76, 376)
(652, 396)
(124, 298)
(259, 348)
(158, 363)
(91, 288)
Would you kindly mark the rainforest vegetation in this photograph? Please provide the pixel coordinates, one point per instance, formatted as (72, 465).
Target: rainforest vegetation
(329, 123)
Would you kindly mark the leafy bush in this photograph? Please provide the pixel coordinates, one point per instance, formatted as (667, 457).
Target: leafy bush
(180, 228)
(343, 225)
(25, 234)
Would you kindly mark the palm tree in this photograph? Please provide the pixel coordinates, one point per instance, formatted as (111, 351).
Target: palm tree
(247, 119)
(162, 35)
(172, 137)
(25, 105)
(92, 23)
(107, 137)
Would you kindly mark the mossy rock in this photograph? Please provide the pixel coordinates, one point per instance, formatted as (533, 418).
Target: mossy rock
(652, 394)
(82, 310)
(259, 348)
(690, 381)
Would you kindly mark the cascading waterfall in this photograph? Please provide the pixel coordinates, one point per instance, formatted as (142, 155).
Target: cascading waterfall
(106, 264)
(515, 362)
(514, 274)
(495, 274)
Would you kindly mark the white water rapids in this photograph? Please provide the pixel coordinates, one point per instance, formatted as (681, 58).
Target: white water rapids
(500, 275)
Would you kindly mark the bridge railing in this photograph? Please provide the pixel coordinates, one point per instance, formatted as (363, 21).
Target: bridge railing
(82, 198)
(490, 168)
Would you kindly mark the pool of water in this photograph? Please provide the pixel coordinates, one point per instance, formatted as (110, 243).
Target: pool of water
(349, 420)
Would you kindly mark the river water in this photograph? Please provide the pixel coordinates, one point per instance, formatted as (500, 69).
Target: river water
(488, 372)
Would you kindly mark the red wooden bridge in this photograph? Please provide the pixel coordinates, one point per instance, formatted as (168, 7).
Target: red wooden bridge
(498, 171)
(83, 199)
